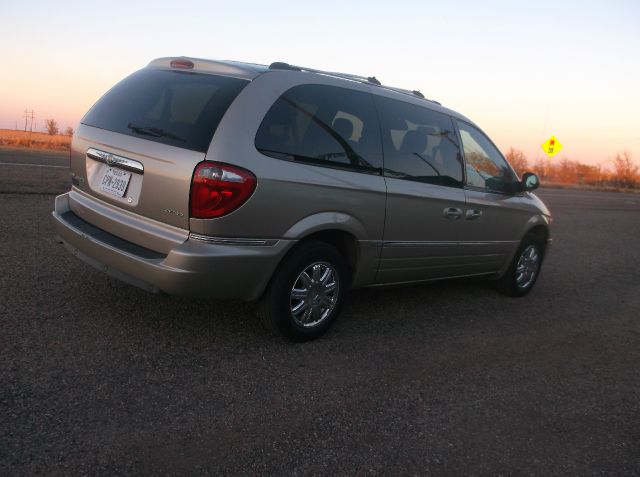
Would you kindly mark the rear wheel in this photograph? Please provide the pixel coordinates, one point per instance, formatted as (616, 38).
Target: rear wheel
(524, 269)
(306, 292)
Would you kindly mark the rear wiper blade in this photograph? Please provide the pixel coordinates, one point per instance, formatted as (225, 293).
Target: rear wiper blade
(152, 131)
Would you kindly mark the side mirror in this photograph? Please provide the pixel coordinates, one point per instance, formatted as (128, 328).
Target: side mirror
(530, 181)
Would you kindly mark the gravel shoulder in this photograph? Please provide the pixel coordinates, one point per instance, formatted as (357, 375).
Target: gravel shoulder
(449, 379)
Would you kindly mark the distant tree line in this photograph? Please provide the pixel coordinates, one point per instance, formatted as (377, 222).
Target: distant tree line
(625, 173)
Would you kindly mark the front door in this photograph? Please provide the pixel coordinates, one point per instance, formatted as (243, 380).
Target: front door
(496, 213)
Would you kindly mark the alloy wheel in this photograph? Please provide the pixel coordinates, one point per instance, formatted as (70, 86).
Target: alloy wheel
(314, 294)
(527, 267)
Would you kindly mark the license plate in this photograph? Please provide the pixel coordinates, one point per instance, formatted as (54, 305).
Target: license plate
(115, 181)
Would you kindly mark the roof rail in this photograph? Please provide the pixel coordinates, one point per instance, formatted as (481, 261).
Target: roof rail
(415, 93)
(279, 65)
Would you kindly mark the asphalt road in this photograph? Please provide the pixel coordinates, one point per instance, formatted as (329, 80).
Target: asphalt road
(97, 377)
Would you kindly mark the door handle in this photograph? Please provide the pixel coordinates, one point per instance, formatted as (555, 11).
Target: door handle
(452, 213)
(473, 214)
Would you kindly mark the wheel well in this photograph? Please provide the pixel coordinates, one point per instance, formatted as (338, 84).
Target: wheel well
(344, 242)
(540, 233)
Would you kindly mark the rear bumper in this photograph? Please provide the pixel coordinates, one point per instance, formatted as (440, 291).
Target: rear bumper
(199, 268)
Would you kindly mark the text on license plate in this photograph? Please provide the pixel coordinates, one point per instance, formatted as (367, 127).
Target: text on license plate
(115, 181)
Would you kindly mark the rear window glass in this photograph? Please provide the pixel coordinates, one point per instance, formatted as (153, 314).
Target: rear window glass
(419, 144)
(178, 108)
(323, 125)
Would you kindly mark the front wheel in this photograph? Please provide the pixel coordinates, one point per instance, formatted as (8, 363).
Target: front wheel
(524, 269)
(306, 292)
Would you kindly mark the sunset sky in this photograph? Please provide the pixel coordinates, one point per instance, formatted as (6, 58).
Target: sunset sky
(521, 71)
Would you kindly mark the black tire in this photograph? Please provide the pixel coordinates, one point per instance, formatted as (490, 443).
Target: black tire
(276, 306)
(513, 282)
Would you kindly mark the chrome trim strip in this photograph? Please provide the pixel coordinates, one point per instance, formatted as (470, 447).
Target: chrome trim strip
(424, 280)
(393, 243)
(375, 243)
(490, 242)
(418, 244)
(234, 241)
(113, 160)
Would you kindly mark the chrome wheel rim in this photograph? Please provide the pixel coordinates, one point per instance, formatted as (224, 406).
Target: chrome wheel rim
(314, 294)
(527, 267)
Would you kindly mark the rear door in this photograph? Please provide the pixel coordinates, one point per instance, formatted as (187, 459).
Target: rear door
(137, 147)
(425, 198)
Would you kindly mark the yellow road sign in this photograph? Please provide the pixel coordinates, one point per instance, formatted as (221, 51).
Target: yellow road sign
(552, 146)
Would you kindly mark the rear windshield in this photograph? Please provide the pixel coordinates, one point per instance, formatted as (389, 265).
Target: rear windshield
(178, 108)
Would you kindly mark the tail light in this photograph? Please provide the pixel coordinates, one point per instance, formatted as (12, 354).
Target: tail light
(218, 189)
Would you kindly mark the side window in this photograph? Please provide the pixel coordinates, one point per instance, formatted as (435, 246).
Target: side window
(323, 125)
(419, 144)
(485, 166)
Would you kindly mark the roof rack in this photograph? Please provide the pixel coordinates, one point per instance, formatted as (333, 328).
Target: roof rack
(415, 92)
(279, 65)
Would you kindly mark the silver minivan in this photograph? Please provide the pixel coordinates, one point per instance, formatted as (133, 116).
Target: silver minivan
(290, 186)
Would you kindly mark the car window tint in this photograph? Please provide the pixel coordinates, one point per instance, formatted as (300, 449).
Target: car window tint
(172, 107)
(419, 144)
(484, 165)
(323, 125)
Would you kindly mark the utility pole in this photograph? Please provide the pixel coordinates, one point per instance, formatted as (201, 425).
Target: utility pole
(28, 119)
(29, 116)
